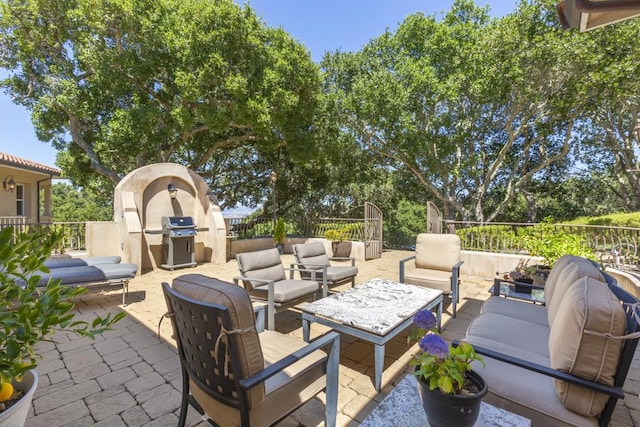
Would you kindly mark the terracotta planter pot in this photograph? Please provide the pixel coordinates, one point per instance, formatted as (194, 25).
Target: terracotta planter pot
(17, 414)
(341, 249)
(445, 410)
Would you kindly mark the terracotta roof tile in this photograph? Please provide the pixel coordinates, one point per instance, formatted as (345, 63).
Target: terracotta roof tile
(8, 159)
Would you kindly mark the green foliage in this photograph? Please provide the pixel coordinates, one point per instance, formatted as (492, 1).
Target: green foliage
(28, 313)
(440, 365)
(630, 219)
(404, 223)
(279, 232)
(337, 234)
(69, 204)
(119, 84)
(551, 243)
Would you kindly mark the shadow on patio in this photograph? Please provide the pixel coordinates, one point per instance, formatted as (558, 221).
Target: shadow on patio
(127, 377)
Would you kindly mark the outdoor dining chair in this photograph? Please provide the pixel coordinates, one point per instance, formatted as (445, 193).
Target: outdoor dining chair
(436, 265)
(263, 276)
(235, 373)
(313, 257)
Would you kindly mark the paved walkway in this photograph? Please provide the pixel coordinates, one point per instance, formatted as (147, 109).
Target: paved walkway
(129, 377)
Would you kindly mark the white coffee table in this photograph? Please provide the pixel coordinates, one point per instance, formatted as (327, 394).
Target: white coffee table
(403, 408)
(375, 311)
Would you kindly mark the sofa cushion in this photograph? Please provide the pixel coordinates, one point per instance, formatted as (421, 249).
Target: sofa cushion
(552, 279)
(511, 331)
(527, 393)
(575, 269)
(577, 345)
(236, 299)
(526, 311)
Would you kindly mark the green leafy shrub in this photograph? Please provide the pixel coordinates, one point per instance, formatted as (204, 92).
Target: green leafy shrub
(29, 313)
(550, 243)
(337, 234)
(279, 232)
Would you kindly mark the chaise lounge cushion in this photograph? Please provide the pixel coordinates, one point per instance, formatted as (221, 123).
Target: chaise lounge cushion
(589, 354)
(59, 262)
(87, 275)
(533, 313)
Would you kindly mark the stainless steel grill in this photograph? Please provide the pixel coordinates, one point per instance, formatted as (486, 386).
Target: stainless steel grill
(178, 241)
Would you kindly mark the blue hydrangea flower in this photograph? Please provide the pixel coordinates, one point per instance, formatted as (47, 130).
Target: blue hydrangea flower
(425, 319)
(434, 344)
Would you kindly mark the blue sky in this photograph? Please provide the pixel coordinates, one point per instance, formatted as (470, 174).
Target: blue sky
(322, 26)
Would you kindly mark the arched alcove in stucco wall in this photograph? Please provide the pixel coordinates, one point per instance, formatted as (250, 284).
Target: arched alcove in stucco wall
(141, 199)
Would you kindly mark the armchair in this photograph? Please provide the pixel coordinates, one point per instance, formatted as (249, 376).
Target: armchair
(437, 265)
(263, 276)
(312, 257)
(235, 373)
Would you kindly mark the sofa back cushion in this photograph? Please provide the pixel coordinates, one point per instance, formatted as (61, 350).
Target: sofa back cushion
(437, 251)
(577, 344)
(566, 276)
(552, 279)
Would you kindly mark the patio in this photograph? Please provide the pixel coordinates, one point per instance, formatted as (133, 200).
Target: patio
(127, 377)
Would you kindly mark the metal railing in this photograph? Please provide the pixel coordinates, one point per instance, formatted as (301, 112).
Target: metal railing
(615, 246)
(73, 233)
(247, 228)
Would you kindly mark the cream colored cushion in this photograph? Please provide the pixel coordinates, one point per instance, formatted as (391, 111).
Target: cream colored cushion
(437, 251)
(552, 279)
(572, 271)
(295, 385)
(526, 311)
(511, 331)
(586, 306)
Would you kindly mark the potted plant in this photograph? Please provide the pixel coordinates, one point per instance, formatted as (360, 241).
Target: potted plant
(451, 392)
(279, 234)
(30, 314)
(339, 246)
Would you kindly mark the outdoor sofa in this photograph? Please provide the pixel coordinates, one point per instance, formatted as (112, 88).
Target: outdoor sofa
(565, 362)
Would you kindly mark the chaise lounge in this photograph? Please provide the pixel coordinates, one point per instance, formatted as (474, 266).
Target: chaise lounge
(92, 277)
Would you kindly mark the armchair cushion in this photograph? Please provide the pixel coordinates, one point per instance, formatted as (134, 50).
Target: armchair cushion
(590, 355)
(265, 265)
(437, 251)
(339, 273)
(285, 290)
(436, 279)
(312, 254)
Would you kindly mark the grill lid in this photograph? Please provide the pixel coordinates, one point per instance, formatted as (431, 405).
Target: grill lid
(173, 222)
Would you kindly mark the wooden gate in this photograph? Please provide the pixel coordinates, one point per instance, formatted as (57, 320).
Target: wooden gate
(434, 219)
(372, 231)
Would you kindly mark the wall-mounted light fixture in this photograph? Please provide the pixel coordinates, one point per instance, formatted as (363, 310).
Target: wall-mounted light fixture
(9, 183)
(173, 191)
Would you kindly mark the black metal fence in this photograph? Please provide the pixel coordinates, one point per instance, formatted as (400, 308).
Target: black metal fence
(247, 228)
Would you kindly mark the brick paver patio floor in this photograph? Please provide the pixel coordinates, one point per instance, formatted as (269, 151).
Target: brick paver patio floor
(130, 377)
